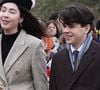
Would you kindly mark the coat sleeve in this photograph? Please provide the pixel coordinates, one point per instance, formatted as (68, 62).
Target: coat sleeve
(52, 83)
(39, 69)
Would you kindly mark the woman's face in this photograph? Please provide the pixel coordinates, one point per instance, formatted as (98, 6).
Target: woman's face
(10, 17)
(51, 30)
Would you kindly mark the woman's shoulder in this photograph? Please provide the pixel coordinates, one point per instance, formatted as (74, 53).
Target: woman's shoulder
(32, 39)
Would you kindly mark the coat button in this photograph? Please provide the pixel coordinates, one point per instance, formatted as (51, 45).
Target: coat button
(17, 72)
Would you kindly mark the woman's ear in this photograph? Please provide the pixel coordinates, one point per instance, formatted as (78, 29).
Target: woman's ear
(21, 19)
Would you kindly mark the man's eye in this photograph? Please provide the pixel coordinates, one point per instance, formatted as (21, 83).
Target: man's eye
(64, 25)
(71, 26)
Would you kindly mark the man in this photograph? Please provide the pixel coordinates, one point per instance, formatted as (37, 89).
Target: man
(69, 72)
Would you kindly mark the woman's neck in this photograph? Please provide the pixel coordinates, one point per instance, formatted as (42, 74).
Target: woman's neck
(10, 32)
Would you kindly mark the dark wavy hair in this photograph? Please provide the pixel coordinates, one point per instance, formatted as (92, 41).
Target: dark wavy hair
(31, 24)
(52, 21)
(77, 13)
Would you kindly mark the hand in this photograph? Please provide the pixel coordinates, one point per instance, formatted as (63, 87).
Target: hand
(1, 86)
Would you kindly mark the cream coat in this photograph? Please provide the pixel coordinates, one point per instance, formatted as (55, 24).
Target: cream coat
(25, 67)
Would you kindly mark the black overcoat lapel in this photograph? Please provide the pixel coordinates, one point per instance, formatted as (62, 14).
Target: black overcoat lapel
(86, 60)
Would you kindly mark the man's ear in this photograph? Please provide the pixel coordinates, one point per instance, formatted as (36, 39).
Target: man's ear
(87, 28)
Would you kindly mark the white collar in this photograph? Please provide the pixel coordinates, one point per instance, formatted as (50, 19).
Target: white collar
(79, 49)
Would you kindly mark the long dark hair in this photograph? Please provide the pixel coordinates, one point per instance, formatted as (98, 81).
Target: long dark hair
(30, 23)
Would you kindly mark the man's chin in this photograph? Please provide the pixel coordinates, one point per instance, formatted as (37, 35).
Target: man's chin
(69, 42)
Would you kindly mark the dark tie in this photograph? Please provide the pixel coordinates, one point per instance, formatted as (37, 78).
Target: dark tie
(75, 53)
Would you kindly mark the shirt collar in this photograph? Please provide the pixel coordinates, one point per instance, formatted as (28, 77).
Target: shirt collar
(79, 49)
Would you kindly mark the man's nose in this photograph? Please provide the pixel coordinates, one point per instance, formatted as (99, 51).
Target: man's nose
(66, 29)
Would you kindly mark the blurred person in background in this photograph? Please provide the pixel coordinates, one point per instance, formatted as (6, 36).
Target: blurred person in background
(51, 42)
(98, 30)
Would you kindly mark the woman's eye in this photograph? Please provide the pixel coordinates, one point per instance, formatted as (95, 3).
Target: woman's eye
(3, 10)
(12, 11)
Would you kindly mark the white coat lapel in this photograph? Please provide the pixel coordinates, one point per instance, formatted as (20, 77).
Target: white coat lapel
(2, 74)
(18, 48)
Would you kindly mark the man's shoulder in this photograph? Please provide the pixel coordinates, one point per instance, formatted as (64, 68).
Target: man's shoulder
(94, 47)
(61, 53)
(96, 44)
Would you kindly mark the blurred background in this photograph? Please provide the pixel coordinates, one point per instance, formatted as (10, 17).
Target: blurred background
(44, 8)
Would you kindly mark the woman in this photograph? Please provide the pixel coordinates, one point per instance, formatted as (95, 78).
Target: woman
(22, 59)
(50, 40)
(51, 43)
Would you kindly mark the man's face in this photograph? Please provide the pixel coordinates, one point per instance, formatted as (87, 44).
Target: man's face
(75, 34)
